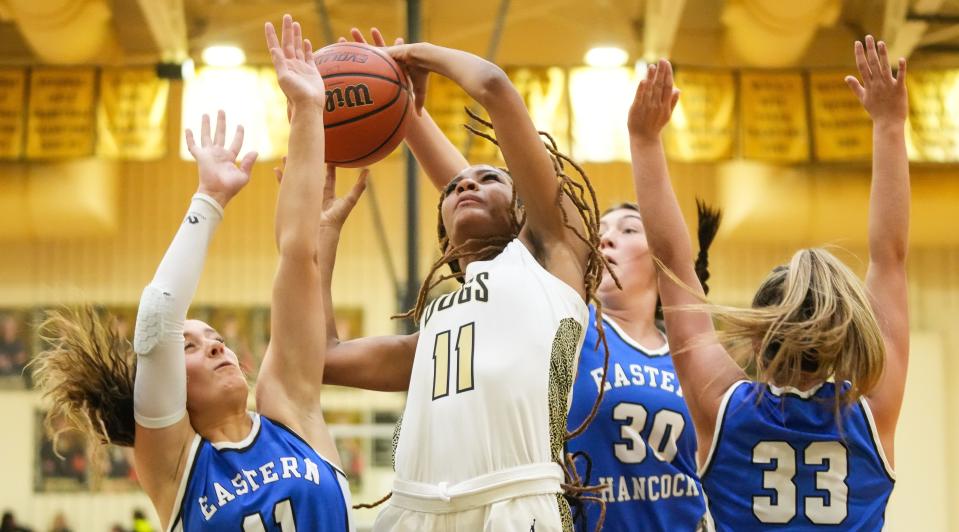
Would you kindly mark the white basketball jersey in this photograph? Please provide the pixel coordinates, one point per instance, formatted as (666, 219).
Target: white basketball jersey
(492, 374)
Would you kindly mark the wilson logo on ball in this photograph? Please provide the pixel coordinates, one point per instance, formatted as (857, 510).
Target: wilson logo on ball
(341, 56)
(352, 96)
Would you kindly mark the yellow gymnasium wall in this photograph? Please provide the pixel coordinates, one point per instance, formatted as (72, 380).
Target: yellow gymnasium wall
(771, 212)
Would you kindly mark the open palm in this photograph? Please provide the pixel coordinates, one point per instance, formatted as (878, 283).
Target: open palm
(335, 210)
(882, 94)
(654, 101)
(293, 60)
(220, 177)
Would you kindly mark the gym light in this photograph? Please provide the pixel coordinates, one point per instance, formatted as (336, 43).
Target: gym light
(606, 56)
(223, 56)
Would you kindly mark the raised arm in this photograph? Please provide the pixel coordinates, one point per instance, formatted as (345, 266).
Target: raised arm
(704, 367)
(436, 154)
(163, 430)
(526, 156)
(382, 363)
(884, 97)
(308, 221)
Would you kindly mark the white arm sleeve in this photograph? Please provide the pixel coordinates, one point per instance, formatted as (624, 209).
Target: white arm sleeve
(159, 391)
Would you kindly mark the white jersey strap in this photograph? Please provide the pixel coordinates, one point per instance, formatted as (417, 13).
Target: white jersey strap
(521, 481)
(718, 430)
(874, 433)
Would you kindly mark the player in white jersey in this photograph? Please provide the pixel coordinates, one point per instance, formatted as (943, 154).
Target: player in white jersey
(490, 370)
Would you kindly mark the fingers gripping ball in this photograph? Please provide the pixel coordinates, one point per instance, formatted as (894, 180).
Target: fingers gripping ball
(367, 103)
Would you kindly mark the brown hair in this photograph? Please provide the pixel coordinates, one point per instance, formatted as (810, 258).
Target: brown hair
(87, 375)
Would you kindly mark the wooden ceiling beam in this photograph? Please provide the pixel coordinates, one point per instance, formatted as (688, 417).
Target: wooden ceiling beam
(661, 23)
(901, 34)
(166, 20)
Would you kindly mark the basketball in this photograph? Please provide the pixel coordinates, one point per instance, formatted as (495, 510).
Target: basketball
(367, 102)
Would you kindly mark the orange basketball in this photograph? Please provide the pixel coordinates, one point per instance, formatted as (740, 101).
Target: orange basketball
(367, 102)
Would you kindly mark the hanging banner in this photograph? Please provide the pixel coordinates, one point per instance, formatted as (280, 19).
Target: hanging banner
(773, 114)
(544, 91)
(933, 127)
(131, 114)
(702, 126)
(60, 115)
(446, 103)
(12, 86)
(842, 130)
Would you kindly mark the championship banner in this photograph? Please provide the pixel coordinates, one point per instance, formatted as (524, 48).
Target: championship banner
(131, 114)
(933, 126)
(446, 101)
(12, 85)
(544, 91)
(773, 113)
(60, 114)
(842, 130)
(702, 127)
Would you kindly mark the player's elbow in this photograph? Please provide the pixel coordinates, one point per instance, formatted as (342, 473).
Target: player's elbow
(493, 84)
(888, 250)
(295, 247)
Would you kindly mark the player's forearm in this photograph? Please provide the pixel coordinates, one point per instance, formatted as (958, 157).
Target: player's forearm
(381, 364)
(889, 194)
(179, 272)
(328, 241)
(159, 395)
(480, 79)
(666, 231)
(436, 154)
(301, 190)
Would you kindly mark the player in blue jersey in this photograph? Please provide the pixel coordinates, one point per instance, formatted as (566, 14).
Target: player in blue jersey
(203, 459)
(641, 445)
(808, 445)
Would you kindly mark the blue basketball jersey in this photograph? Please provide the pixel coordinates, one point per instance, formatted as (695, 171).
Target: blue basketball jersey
(271, 481)
(642, 444)
(780, 462)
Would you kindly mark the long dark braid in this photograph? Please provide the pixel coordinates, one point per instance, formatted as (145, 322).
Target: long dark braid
(708, 225)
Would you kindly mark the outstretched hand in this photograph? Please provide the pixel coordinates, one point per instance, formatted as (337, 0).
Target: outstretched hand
(881, 94)
(654, 102)
(335, 210)
(220, 177)
(292, 58)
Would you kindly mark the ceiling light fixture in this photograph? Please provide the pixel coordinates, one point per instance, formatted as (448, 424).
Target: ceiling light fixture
(223, 56)
(606, 56)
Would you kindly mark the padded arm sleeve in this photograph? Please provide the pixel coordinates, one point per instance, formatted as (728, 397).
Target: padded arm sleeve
(159, 392)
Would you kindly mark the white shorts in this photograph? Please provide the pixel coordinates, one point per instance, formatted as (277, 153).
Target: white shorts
(533, 513)
(523, 499)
